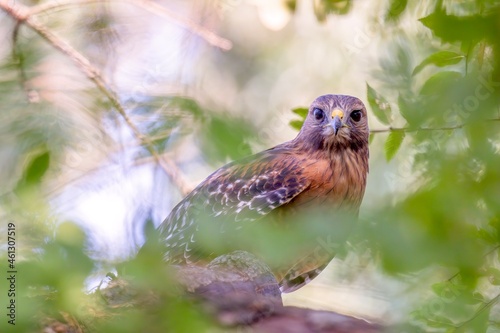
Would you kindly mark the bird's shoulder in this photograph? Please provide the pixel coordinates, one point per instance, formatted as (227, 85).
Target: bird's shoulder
(274, 175)
(250, 187)
(279, 162)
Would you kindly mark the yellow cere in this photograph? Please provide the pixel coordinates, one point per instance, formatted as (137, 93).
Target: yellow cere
(338, 112)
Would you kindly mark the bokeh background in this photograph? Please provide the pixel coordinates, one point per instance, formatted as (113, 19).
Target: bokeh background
(112, 110)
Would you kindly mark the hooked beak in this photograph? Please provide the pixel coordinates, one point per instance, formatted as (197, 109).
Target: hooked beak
(336, 121)
(336, 124)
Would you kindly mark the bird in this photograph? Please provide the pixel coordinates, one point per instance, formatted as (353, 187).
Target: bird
(325, 165)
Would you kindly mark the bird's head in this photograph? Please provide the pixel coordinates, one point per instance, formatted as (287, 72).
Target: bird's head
(335, 121)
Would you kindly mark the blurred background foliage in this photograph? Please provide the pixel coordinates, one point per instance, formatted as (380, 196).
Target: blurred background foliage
(95, 150)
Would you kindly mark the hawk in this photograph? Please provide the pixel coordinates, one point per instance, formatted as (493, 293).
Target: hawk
(325, 165)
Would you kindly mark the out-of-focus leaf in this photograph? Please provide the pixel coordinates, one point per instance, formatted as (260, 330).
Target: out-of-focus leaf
(493, 276)
(489, 234)
(466, 29)
(37, 168)
(302, 112)
(396, 8)
(379, 105)
(440, 288)
(393, 143)
(60, 261)
(371, 137)
(450, 289)
(225, 138)
(322, 8)
(478, 323)
(477, 298)
(297, 124)
(410, 111)
(291, 5)
(481, 53)
(441, 59)
(440, 322)
(34, 171)
(439, 82)
(187, 104)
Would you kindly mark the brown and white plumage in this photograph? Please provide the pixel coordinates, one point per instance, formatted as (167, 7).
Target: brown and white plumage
(325, 165)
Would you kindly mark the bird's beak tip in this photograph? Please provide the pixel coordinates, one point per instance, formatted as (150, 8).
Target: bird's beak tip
(336, 124)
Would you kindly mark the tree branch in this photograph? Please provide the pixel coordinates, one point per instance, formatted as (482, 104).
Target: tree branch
(21, 13)
(152, 7)
(483, 307)
(416, 129)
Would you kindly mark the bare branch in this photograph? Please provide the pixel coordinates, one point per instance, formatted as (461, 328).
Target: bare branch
(150, 6)
(417, 129)
(16, 55)
(483, 307)
(21, 14)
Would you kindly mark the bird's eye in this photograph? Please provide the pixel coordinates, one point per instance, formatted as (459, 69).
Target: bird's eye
(318, 114)
(356, 115)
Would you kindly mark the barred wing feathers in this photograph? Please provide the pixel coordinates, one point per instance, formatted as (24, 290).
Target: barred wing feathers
(239, 192)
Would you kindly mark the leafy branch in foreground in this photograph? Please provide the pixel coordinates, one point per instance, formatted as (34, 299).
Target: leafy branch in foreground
(150, 6)
(22, 14)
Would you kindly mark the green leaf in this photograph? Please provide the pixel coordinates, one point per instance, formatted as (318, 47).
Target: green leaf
(440, 322)
(465, 29)
(291, 5)
(488, 234)
(224, 137)
(379, 105)
(479, 322)
(322, 8)
(439, 288)
(396, 8)
(302, 112)
(441, 59)
(439, 82)
(370, 138)
(408, 111)
(35, 170)
(297, 124)
(187, 104)
(393, 143)
(447, 289)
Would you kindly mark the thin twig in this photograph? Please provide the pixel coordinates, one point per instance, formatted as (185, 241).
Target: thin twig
(416, 129)
(21, 14)
(485, 305)
(16, 54)
(152, 7)
(481, 309)
(484, 256)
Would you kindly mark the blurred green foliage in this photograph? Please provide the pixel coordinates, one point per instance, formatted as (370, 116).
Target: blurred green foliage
(451, 221)
(323, 8)
(438, 107)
